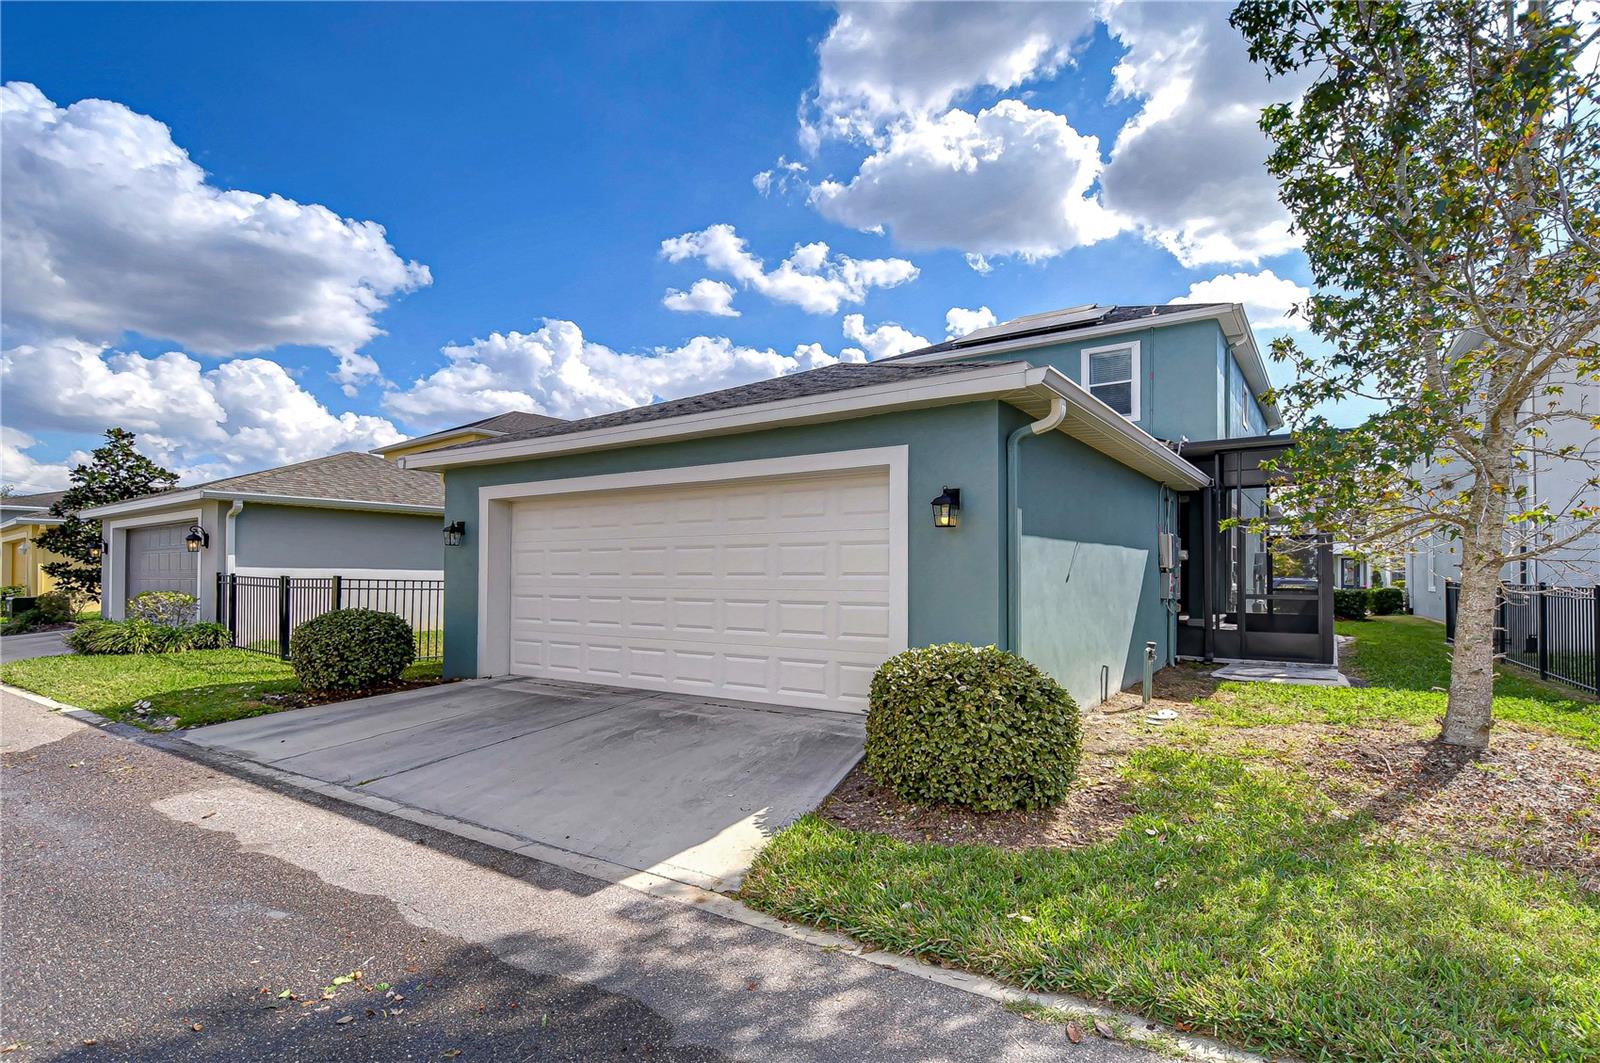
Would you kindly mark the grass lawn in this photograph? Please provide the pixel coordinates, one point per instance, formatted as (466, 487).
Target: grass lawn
(1256, 886)
(198, 687)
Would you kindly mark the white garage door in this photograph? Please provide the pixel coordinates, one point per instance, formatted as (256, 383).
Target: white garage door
(773, 590)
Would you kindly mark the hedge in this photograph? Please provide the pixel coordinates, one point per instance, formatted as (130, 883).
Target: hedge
(351, 649)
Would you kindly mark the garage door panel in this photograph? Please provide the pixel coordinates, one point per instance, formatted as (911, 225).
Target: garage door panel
(157, 559)
(775, 590)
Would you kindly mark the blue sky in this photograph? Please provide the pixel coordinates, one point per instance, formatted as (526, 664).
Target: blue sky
(526, 165)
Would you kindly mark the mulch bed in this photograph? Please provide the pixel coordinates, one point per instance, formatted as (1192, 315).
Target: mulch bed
(304, 699)
(1533, 800)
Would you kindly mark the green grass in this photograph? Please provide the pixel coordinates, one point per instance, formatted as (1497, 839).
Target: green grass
(1407, 664)
(199, 687)
(1239, 902)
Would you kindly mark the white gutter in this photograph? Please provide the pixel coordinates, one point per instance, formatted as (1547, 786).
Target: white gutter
(228, 562)
(197, 494)
(1095, 418)
(12, 522)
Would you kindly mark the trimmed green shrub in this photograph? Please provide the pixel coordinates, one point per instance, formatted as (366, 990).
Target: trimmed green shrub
(1350, 603)
(169, 608)
(22, 623)
(1386, 601)
(971, 726)
(54, 607)
(351, 649)
(144, 636)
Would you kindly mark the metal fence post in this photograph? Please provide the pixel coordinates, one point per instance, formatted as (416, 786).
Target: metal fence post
(283, 617)
(338, 592)
(1594, 646)
(233, 608)
(1544, 632)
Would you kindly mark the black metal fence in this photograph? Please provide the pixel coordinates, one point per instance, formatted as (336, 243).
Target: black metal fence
(262, 611)
(1553, 631)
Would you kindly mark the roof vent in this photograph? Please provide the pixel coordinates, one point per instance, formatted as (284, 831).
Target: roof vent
(1043, 322)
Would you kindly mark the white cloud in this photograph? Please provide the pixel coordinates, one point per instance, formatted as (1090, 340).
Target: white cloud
(1190, 168)
(108, 226)
(705, 296)
(882, 61)
(811, 277)
(884, 341)
(21, 471)
(783, 177)
(245, 413)
(958, 320)
(1008, 180)
(979, 264)
(1266, 296)
(556, 370)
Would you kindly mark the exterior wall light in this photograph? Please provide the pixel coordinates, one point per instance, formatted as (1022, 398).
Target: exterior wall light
(454, 531)
(99, 550)
(947, 508)
(197, 539)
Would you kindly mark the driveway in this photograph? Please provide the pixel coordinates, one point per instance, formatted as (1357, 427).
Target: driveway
(685, 788)
(36, 644)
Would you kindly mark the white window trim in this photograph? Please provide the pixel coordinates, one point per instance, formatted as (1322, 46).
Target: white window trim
(494, 528)
(1083, 372)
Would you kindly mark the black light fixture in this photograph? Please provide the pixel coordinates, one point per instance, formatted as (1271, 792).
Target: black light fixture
(197, 539)
(98, 550)
(454, 531)
(947, 508)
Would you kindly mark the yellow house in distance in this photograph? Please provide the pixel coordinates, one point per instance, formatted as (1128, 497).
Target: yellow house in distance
(488, 428)
(22, 519)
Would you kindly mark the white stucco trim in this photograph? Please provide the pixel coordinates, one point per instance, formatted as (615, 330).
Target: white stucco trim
(1135, 365)
(200, 494)
(494, 527)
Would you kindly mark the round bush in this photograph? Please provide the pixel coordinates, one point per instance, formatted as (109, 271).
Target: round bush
(351, 649)
(971, 726)
(1386, 601)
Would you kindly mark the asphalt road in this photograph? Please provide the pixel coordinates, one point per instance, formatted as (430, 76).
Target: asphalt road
(153, 907)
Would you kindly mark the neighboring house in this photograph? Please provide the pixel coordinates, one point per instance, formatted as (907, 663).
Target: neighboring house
(22, 519)
(1554, 478)
(346, 514)
(776, 542)
(488, 428)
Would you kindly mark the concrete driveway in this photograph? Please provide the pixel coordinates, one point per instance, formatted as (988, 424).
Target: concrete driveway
(685, 788)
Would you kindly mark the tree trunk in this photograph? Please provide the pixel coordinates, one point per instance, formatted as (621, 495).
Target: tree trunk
(1471, 707)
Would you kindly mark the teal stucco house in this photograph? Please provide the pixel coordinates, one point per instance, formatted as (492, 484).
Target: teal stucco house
(1028, 485)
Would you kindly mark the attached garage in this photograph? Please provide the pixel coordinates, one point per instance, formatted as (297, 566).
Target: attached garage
(786, 589)
(158, 560)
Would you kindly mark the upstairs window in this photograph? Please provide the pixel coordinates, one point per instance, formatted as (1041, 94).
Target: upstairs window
(1112, 375)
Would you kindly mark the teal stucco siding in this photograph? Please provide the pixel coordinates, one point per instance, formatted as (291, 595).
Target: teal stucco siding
(1090, 579)
(954, 589)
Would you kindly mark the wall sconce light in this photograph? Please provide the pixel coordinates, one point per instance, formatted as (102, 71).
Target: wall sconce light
(454, 531)
(197, 539)
(99, 550)
(947, 508)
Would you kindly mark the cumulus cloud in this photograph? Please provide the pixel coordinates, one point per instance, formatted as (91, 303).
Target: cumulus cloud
(812, 277)
(21, 471)
(705, 296)
(1190, 167)
(107, 225)
(882, 61)
(245, 413)
(884, 341)
(1008, 180)
(1267, 297)
(958, 321)
(556, 370)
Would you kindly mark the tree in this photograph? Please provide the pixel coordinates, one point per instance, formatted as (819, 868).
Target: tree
(1443, 169)
(115, 471)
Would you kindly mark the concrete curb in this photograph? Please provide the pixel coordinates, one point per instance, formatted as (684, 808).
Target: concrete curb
(1140, 1029)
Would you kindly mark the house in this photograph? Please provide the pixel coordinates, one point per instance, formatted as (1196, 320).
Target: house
(1026, 486)
(486, 428)
(22, 519)
(1561, 467)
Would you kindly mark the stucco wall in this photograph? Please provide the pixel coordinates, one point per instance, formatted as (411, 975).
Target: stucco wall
(1184, 377)
(302, 540)
(1090, 576)
(954, 593)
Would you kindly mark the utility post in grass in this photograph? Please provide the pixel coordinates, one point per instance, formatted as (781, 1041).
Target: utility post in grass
(1443, 170)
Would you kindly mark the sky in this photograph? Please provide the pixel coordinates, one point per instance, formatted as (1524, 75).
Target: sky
(255, 235)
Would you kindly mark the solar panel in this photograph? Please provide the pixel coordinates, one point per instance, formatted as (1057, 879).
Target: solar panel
(1072, 315)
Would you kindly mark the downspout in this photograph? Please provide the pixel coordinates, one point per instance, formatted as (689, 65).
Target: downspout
(229, 559)
(1048, 423)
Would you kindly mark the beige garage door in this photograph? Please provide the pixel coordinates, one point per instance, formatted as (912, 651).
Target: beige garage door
(773, 590)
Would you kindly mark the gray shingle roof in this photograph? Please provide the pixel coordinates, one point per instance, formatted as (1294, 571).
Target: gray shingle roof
(841, 377)
(348, 476)
(43, 500)
(1115, 315)
(510, 421)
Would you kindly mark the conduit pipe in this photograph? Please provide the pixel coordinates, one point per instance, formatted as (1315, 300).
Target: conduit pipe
(1048, 423)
